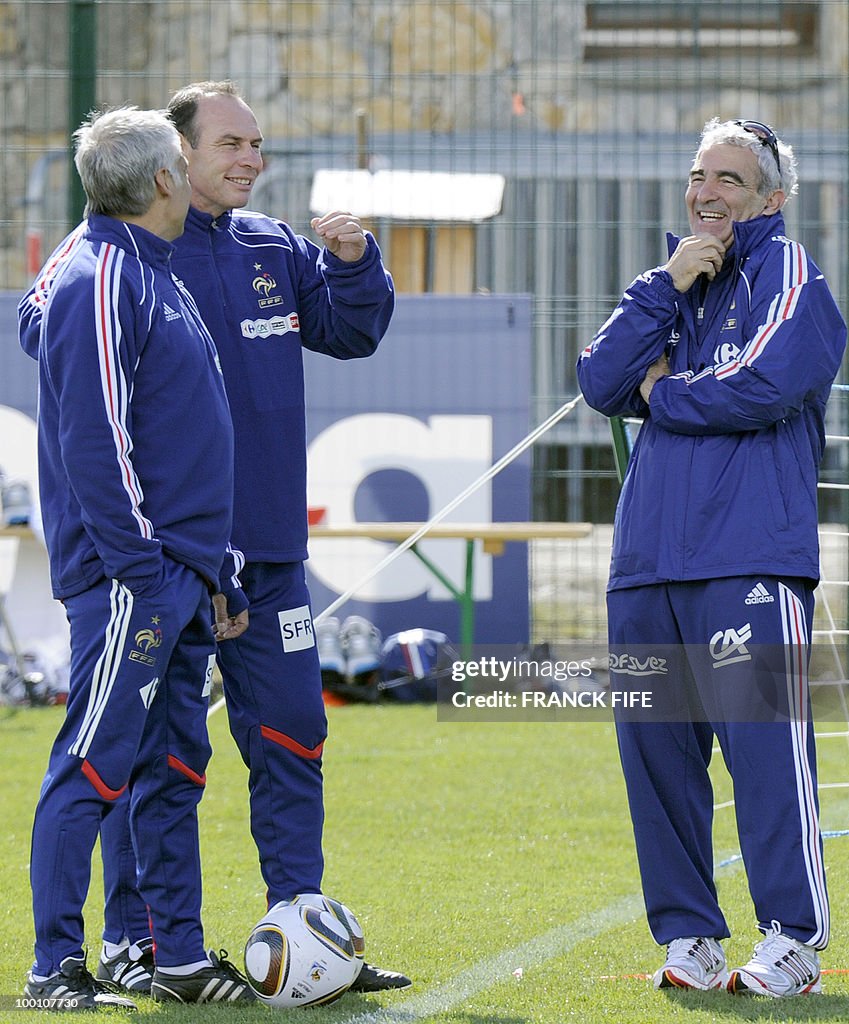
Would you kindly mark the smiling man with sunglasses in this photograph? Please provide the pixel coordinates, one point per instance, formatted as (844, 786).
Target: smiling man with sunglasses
(727, 352)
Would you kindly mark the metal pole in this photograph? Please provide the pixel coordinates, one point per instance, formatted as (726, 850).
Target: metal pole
(82, 65)
(621, 446)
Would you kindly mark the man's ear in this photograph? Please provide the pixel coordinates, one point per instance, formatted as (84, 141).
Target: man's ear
(164, 182)
(775, 201)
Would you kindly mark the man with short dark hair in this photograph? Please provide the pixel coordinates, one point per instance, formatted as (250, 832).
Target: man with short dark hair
(267, 293)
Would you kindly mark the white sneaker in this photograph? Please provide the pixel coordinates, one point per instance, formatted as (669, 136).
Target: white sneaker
(361, 642)
(780, 966)
(693, 962)
(330, 656)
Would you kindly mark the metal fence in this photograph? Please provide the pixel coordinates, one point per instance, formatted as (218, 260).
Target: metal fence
(589, 111)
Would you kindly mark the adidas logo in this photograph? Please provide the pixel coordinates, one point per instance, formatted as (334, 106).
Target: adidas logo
(759, 595)
(171, 314)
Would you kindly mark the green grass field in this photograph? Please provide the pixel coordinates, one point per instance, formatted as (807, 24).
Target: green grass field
(467, 851)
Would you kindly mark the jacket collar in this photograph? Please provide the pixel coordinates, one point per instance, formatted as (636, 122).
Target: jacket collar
(202, 223)
(131, 237)
(748, 235)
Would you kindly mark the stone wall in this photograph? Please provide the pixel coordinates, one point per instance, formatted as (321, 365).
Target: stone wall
(411, 66)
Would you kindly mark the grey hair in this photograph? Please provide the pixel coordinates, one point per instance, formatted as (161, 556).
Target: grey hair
(718, 133)
(118, 154)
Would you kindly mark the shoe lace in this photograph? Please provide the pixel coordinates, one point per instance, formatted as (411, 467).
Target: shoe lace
(767, 948)
(680, 947)
(696, 948)
(775, 945)
(81, 978)
(222, 960)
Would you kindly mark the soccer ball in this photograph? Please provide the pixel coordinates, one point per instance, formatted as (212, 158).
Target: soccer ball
(344, 916)
(304, 952)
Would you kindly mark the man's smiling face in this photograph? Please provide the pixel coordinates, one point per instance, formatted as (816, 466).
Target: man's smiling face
(723, 188)
(227, 159)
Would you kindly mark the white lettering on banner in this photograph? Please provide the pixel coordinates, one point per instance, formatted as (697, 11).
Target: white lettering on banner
(271, 325)
(296, 628)
(446, 453)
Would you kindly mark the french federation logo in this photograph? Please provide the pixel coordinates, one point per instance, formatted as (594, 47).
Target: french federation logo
(147, 638)
(145, 641)
(263, 283)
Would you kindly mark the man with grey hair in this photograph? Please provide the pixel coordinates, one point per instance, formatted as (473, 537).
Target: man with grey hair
(137, 517)
(727, 353)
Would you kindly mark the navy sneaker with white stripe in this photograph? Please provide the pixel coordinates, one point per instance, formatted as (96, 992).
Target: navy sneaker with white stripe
(780, 966)
(219, 983)
(73, 987)
(131, 969)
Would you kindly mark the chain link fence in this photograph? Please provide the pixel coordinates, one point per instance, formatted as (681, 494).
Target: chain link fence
(588, 111)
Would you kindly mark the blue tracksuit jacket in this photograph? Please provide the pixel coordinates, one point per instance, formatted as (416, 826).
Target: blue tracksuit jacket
(719, 504)
(122, 476)
(263, 292)
(267, 293)
(722, 479)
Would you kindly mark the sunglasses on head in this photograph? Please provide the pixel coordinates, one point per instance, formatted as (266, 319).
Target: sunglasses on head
(766, 135)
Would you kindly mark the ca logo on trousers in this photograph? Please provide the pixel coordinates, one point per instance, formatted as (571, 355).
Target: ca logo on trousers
(728, 646)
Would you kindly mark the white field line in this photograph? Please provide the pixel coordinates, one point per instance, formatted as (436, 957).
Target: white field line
(500, 967)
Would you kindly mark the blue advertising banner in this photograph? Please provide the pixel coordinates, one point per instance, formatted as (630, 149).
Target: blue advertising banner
(18, 402)
(392, 438)
(18, 373)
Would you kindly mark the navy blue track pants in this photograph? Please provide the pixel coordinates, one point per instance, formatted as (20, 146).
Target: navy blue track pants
(140, 672)
(272, 682)
(709, 634)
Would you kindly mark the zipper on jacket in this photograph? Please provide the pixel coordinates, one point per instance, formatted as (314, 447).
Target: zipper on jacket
(219, 280)
(704, 286)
